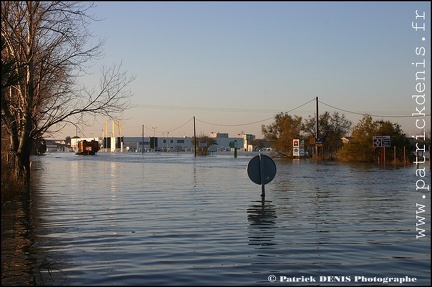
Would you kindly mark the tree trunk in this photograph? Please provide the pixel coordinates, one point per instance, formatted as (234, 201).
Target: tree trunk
(21, 152)
(22, 165)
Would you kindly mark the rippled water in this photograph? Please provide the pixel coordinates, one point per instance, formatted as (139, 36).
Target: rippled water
(173, 219)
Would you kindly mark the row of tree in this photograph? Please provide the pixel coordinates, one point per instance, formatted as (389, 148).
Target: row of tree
(286, 127)
(332, 129)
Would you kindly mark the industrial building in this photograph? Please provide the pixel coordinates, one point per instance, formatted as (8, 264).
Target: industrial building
(168, 144)
(243, 142)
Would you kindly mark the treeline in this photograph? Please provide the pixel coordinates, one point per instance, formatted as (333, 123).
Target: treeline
(339, 141)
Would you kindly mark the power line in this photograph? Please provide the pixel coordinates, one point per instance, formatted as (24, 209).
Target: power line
(181, 125)
(234, 125)
(209, 109)
(253, 110)
(357, 113)
(251, 123)
(163, 132)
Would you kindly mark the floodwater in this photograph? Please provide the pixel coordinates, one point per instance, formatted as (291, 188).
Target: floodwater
(174, 219)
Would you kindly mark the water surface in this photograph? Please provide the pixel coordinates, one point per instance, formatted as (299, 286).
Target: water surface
(173, 219)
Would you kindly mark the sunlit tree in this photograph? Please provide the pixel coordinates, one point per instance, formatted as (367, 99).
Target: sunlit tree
(360, 146)
(332, 127)
(282, 132)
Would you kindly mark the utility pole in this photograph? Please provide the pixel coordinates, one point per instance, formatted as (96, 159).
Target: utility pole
(142, 149)
(316, 127)
(154, 138)
(195, 143)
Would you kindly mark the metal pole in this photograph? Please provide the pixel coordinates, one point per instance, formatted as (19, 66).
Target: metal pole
(195, 140)
(262, 178)
(106, 136)
(154, 138)
(316, 125)
(142, 148)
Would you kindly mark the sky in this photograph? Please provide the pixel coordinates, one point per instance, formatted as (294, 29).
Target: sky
(235, 65)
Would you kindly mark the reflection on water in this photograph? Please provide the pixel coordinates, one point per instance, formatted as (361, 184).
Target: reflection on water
(261, 215)
(15, 244)
(24, 262)
(172, 219)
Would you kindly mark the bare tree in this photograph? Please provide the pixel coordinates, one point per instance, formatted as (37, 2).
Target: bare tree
(48, 42)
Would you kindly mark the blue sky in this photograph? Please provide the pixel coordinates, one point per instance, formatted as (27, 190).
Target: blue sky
(234, 65)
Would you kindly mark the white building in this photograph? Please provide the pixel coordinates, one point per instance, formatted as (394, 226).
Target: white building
(140, 144)
(146, 144)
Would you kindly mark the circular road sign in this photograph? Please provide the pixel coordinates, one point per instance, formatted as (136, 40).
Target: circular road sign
(268, 169)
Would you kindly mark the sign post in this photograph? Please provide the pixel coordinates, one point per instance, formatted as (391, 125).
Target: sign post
(261, 170)
(296, 147)
(234, 145)
(382, 142)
